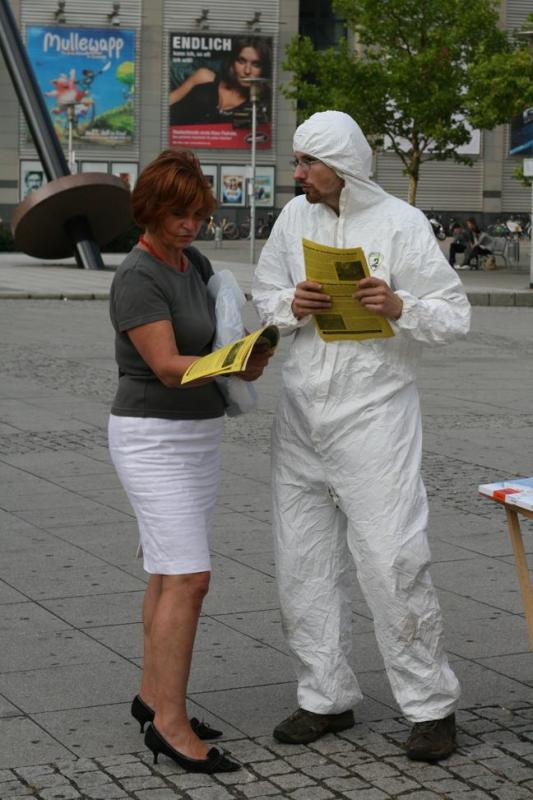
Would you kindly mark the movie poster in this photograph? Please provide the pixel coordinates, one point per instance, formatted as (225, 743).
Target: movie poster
(32, 177)
(522, 134)
(87, 77)
(264, 186)
(233, 185)
(209, 100)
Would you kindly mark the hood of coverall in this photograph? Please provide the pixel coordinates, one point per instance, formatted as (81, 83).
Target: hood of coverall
(337, 140)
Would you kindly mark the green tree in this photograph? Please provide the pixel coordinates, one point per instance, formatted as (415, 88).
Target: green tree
(518, 175)
(415, 74)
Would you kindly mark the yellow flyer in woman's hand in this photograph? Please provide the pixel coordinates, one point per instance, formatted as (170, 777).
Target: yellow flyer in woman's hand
(231, 358)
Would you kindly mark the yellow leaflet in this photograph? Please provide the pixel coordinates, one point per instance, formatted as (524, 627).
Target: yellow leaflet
(339, 270)
(231, 358)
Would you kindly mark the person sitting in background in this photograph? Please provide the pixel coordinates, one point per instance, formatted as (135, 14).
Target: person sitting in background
(461, 241)
(479, 245)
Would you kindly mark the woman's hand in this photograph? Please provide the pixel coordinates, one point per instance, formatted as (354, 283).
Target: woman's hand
(309, 299)
(377, 296)
(259, 358)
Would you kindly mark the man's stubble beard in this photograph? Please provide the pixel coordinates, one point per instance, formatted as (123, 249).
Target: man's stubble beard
(312, 196)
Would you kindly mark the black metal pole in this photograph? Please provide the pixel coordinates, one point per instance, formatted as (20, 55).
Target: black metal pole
(78, 230)
(44, 136)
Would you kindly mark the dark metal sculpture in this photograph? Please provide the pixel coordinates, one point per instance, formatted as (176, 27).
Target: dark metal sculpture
(50, 219)
(71, 213)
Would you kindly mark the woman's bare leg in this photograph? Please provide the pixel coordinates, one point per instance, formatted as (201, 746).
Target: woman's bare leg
(173, 628)
(151, 599)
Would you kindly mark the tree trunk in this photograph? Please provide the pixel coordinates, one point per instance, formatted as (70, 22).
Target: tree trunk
(411, 195)
(413, 171)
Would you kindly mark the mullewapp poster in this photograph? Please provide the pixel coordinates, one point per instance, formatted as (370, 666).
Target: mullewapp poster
(209, 102)
(87, 77)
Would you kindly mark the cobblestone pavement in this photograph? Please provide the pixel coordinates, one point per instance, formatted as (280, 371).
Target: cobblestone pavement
(495, 760)
(57, 377)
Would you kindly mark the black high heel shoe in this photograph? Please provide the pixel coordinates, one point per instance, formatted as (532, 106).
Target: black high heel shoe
(143, 714)
(216, 761)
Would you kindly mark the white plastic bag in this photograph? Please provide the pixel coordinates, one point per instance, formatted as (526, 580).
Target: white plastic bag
(240, 396)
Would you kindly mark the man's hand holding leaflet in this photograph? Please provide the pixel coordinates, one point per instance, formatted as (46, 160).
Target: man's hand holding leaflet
(338, 271)
(232, 358)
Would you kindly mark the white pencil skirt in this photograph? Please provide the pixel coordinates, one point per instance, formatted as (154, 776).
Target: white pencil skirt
(169, 470)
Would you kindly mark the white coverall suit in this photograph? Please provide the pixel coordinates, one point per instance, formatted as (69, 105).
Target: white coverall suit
(348, 425)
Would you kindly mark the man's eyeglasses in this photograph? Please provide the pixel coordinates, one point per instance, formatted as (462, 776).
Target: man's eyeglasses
(305, 163)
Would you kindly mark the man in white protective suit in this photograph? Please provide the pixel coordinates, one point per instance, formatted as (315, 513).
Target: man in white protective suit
(347, 441)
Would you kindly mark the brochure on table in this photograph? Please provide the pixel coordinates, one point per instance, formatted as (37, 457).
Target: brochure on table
(517, 492)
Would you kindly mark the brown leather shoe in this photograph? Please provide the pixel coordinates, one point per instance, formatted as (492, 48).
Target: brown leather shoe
(432, 740)
(303, 726)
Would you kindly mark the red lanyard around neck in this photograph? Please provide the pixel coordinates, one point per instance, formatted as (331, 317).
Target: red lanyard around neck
(150, 249)
(153, 252)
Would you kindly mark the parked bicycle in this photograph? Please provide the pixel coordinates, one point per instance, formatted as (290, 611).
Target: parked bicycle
(229, 229)
(436, 224)
(262, 229)
(207, 231)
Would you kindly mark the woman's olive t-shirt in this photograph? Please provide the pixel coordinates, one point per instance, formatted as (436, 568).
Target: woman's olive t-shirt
(144, 290)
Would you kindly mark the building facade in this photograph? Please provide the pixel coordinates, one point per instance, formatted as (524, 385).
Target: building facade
(108, 72)
(116, 77)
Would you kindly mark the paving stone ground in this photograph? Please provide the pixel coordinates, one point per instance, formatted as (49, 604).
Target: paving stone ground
(495, 760)
(70, 587)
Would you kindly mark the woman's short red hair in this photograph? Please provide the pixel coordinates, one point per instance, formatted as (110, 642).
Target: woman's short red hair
(173, 183)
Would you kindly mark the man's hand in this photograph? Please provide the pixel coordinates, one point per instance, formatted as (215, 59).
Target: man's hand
(257, 362)
(309, 299)
(377, 296)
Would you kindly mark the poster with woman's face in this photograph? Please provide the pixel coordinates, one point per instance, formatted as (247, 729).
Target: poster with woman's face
(232, 186)
(210, 103)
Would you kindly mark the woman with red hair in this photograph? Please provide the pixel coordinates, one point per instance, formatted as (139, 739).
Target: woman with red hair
(164, 440)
